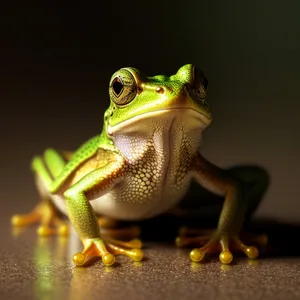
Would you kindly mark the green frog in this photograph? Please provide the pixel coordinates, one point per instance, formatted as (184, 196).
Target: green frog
(142, 165)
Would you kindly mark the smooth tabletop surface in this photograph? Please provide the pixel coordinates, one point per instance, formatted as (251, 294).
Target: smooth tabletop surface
(41, 268)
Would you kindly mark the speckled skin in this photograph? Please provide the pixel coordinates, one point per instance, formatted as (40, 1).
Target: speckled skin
(142, 163)
(154, 159)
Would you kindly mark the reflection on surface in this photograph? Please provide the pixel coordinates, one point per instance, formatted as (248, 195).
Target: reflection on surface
(138, 264)
(41, 268)
(226, 268)
(16, 231)
(44, 272)
(85, 279)
(80, 286)
(196, 267)
(47, 285)
(253, 262)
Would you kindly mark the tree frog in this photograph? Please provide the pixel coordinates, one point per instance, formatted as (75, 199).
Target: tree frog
(141, 165)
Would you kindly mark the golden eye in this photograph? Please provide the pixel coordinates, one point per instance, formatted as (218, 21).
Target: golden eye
(123, 87)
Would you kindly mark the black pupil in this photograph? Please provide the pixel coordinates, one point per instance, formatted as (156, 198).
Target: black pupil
(117, 86)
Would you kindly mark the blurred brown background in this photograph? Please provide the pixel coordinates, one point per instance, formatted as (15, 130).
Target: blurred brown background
(55, 65)
(56, 62)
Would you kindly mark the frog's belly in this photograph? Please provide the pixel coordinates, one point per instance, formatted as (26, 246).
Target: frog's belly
(114, 205)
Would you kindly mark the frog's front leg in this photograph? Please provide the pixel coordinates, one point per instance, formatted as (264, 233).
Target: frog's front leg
(84, 219)
(235, 206)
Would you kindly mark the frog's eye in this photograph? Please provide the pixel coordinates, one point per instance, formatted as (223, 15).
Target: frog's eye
(123, 87)
(199, 86)
(200, 82)
(117, 86)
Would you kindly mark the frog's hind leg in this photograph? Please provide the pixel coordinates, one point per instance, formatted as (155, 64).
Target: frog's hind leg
(256, 181)
(46, 168)
(46, 214)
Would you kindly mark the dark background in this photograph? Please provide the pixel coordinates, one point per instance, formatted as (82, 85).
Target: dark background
(56, 62)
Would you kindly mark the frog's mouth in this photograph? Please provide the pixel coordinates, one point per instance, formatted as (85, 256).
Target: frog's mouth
(191, 118)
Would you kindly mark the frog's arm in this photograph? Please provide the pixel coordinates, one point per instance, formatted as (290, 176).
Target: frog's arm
(221, 183)
(226, 236)
(86, 151)
(82, 214)
(98, 181)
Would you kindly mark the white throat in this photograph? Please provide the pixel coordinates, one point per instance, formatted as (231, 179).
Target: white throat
(164, 130)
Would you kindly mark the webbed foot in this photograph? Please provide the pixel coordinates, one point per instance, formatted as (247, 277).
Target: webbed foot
(107, 250)
(212, 242)
(45, 214)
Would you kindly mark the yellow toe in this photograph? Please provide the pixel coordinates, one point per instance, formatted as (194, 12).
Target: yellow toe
(197, 255)
(44, 231)
(16, 220)
(108, 259)
(226, 257)
(252, 252)
(79, 259)
(178, 242)
(136, 254)
(63, 230)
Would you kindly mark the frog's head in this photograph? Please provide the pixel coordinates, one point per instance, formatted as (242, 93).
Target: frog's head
(136, 99)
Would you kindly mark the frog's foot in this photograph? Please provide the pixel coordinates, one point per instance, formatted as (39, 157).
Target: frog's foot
(107, 250)
(215, 241)
(45, 214)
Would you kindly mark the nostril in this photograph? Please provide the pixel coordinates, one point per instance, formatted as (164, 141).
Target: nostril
(160, 90)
